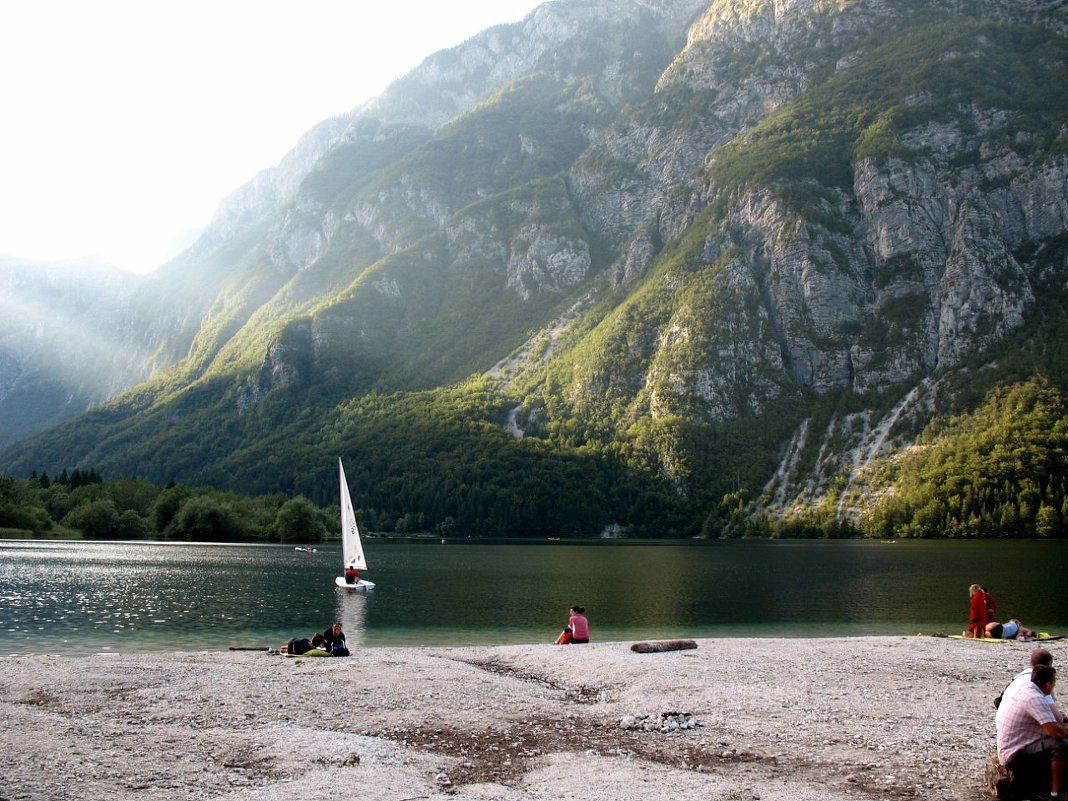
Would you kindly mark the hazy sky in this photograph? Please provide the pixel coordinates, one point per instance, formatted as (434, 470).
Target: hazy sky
(125, 122)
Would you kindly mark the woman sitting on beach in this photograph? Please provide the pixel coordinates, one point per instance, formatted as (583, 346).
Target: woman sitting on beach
(335, 641)
(577, 630)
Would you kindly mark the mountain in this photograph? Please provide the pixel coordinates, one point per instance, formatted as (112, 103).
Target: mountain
(61, 350)
(669, 266)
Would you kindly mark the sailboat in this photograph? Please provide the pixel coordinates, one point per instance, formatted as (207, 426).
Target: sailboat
(351, 547)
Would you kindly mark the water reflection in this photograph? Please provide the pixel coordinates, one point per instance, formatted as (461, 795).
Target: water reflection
(352, 612)
(81, 596)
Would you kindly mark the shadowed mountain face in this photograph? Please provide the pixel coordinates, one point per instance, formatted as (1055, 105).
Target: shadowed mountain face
(679, 260)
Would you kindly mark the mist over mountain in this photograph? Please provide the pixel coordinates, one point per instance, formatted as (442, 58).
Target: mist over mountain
(61, 347)
(669, 267)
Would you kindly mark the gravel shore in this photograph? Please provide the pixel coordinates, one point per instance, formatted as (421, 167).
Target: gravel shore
(768, 719)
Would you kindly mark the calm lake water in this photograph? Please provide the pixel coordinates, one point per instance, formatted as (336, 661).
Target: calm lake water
(87, 597)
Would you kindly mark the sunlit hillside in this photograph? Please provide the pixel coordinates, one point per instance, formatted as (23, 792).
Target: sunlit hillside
(676, 269)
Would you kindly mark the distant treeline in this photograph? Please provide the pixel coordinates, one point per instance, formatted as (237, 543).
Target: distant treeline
(82, 503)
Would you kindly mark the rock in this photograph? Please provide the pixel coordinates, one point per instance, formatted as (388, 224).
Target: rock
(1005, 785)
(664, 722)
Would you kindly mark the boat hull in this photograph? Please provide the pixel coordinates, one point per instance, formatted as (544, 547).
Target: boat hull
(360, 586)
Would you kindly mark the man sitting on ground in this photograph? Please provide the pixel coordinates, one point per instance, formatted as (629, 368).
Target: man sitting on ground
(1031, 740)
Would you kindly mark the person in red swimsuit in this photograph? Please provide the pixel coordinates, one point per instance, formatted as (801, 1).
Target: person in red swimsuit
(982, 611)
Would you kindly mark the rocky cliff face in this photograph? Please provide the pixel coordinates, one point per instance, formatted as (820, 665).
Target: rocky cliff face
(909, 267)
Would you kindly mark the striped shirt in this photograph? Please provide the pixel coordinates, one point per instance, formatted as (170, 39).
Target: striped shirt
(1019, 721)
(1020, 682)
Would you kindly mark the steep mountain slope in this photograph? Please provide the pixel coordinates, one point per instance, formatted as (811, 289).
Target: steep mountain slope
(893, 214)
(711, 261)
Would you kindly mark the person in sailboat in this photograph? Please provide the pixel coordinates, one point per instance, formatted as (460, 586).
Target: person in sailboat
(335, 640)
(352, 575)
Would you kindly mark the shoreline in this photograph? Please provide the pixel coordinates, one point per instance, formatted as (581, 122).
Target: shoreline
(775, 718)
(202, 644)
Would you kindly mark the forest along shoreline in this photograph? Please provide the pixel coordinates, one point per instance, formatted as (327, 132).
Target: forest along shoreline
(837, 718)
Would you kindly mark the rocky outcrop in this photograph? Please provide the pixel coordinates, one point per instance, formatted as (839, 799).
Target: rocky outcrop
(542, 261)
(554, 39)
(260, 197)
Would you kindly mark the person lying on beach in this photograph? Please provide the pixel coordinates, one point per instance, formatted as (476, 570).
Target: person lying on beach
(302, 646)
(1013, 630)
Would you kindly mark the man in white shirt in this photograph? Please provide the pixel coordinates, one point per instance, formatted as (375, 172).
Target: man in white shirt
(1040, 656)
(1031, 738)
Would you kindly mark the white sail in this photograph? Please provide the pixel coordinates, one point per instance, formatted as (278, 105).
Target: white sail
(352, 548)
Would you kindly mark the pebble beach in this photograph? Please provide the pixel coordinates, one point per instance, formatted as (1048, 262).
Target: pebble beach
(732, 719)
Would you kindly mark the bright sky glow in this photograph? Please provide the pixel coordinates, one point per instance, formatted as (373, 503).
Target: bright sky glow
(125, 122)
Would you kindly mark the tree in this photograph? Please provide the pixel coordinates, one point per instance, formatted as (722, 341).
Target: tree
(1046, 522)
(136, 494)
(56, 500)
(204, 518)
(299, 521)
(28, 518)
(166, 506)
(20, 507)
(131, 526)
(96, 519)
(446, 528)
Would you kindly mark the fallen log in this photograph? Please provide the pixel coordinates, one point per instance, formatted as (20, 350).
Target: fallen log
(663, 645)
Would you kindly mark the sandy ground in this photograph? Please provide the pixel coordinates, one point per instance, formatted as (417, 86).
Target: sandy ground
(828, 719)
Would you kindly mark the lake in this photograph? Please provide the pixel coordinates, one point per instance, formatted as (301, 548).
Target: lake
(86, 597)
